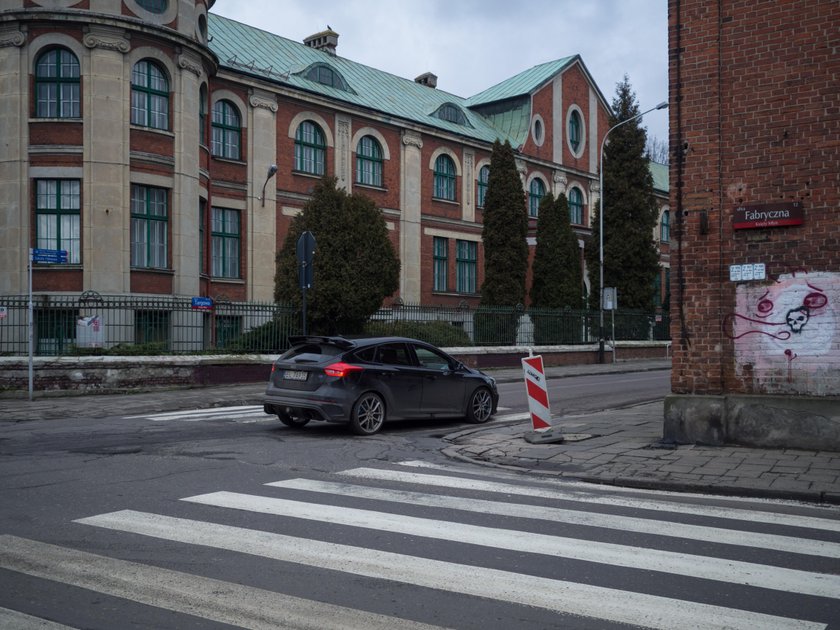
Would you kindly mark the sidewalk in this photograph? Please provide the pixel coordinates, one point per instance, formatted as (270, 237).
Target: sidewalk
(624, 448)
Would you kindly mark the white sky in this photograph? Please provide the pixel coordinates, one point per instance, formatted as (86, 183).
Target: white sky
(474, 44)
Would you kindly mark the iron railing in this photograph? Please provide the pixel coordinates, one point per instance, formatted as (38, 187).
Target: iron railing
(133, 325)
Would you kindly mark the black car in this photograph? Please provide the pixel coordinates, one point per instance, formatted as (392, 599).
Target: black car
(365, 382)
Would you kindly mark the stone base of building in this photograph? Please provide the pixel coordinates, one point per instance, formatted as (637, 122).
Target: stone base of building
(800, 422)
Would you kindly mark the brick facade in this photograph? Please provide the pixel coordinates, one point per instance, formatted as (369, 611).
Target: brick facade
(755, 120)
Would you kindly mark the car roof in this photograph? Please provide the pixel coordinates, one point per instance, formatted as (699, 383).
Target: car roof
(347, 344)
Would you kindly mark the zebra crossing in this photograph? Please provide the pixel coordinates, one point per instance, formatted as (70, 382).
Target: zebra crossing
(548, 554)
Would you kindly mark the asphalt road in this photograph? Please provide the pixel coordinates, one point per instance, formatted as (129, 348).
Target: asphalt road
(225, 518)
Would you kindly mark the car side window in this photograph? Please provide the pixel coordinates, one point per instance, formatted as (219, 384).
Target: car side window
(393, 354)
(430, 359)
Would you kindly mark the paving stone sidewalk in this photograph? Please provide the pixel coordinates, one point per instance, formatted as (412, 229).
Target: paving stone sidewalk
(625, 448)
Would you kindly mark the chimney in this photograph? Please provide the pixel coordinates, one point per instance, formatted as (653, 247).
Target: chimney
(428, 79)
(325, 40)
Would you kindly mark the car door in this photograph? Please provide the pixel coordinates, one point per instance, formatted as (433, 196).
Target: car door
(399, 379)
(443, 385)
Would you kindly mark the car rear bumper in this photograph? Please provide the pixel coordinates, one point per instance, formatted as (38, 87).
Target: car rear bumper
(311, 407)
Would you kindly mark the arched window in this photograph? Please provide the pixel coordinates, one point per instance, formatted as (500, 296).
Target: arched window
(369, 162)
(575, 131)
(536, 191)
(452, 113)
(665, 227)
(226, 141)
(57, 85)
(483, 179)
(325, 75)
(149, 96)
(575, 206)
(444, 178)
(310, 149)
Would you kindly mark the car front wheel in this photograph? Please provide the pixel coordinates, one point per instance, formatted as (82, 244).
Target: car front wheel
(368, 414)
(480, 407)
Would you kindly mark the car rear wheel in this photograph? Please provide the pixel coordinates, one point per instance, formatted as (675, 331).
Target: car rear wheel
(368, 414)
(293, 421)
(480, 407)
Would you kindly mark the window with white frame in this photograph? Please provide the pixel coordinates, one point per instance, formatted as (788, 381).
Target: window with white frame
(466, 269)
(536, 191)
(310, 149)
(483, 181)
(58, 216)
(149, 96)
(369, 162)
(441, 263)
(575, 206)
(149, 227)
(225, 238)
(57, 83)
(226, 138)
(445, 178)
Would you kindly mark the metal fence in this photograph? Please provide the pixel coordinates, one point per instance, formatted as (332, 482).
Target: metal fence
(91, 323)
(136, 325)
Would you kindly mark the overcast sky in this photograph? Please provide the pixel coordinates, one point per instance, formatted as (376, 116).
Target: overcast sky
(474, 44)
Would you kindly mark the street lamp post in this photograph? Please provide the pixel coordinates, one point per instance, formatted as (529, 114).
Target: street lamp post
(661, 105)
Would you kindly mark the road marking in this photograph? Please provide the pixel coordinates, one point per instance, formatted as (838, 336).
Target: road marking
(14, 620)
(611, 554)
(556, 595)
(212, 413)
(732, 513)
(719, 535)
(224, 602)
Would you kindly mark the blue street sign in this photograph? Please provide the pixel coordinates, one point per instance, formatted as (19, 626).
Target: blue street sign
(49, 255)
(202, 304)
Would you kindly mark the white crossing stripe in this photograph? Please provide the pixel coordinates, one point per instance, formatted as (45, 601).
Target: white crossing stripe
(720, 535)
(14, 620)
(756, 516)
(556, 595)
(721, 570)
(224, 602)
(212, 413)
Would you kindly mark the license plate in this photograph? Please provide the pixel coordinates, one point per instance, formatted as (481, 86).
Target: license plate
(295, 375)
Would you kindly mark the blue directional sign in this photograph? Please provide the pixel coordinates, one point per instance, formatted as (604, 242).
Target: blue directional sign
(49, 256)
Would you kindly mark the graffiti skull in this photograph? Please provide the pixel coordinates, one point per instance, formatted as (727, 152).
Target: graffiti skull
(797, 318)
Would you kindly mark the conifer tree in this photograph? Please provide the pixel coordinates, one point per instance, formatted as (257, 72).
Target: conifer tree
(557, 277)
(631, 262)
(505, 232)
(355, 267)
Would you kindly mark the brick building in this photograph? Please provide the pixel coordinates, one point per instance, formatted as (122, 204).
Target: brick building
(141, 136)
(755, 189)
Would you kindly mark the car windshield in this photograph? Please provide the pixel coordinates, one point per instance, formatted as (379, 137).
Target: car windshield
(318, 349)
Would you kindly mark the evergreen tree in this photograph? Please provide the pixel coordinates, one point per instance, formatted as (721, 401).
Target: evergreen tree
(355, 265)
(505, 232)
(557, 281)
(631, 261)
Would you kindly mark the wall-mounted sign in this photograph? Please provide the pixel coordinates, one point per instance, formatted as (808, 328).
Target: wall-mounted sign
(764, 215)
(749, 271)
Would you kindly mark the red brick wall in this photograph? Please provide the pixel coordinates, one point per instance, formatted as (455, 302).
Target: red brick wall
(576, 92)
(754, 118)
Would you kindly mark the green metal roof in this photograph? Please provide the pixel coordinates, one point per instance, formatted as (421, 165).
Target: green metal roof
(659, 172)
(524, 83)
(245, 49)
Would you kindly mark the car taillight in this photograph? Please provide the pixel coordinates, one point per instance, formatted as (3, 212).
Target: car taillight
(340, 370)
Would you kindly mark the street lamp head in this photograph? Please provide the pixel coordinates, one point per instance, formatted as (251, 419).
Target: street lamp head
(662, 105)
(271, 170)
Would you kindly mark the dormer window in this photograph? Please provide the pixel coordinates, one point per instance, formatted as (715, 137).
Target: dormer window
(325, 75)
(452, 113)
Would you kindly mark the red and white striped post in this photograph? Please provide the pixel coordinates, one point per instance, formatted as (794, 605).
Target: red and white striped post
(538, 405)
(537, 393)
